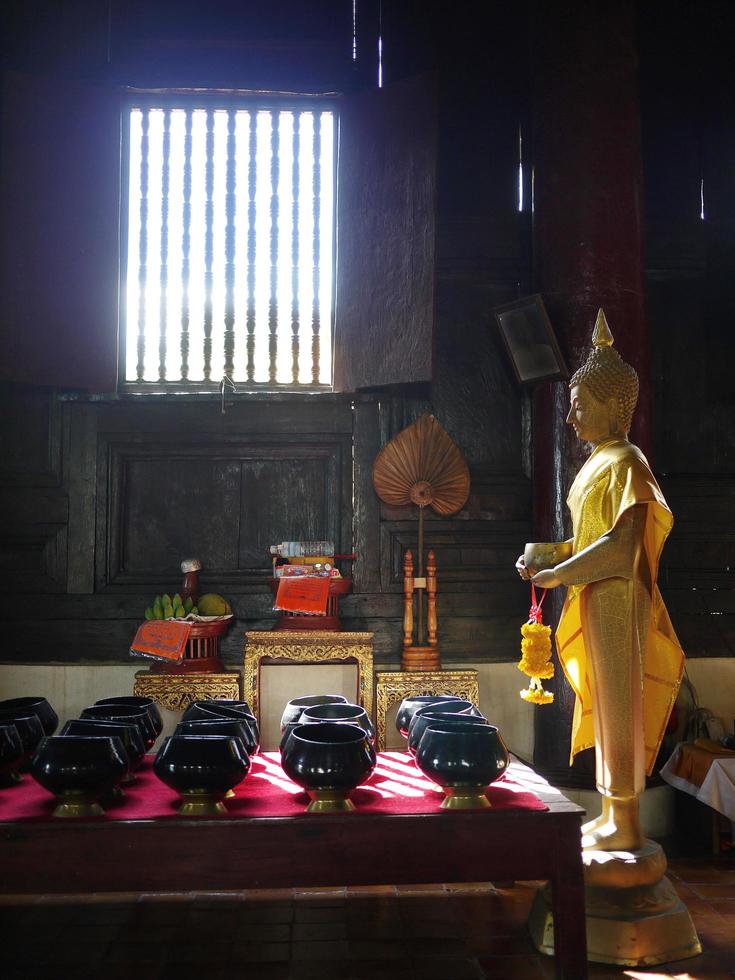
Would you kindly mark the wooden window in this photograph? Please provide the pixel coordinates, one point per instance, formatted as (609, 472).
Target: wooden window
(229, 269)
(64, 250)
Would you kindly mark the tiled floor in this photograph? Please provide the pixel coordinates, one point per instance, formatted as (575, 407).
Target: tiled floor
(422, 933)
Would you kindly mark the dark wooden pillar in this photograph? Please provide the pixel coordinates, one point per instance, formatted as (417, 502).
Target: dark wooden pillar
(587, 236)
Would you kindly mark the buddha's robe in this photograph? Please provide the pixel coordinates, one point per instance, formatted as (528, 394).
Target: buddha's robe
(617, 629)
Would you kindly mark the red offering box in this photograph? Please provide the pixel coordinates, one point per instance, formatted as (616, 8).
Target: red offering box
(202, 650)
(330, 621)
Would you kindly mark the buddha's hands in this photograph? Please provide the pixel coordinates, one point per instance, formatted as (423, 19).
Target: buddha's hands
(546, 579)
(522, 570)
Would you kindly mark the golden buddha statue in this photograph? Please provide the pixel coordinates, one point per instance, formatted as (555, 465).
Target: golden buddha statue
(615, 639)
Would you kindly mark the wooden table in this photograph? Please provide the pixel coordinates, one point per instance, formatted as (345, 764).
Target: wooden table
(326, 850)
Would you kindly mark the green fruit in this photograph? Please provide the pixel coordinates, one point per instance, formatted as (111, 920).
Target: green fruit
(189, 604)
(157, 608)
(168, 611)
(179, 611)
(176, 601)
(213, 604)
(194, 610)
(149, 613)
(166, 599)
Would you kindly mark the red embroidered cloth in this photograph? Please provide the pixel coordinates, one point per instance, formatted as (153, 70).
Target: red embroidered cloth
(396, 786)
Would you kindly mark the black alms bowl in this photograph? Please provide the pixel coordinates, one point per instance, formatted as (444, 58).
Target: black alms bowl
(139, 702)
(128, 733)
(294, 708)
(422, 719)
(209, 710)
(353, 714)
(230, 703)
(409, 706)
(80, 769)
(220, 726)
(30, 730)
(463, 760)
(14, 707)
(11, 754)
(202, 768)
(328, 760)
(126, 713)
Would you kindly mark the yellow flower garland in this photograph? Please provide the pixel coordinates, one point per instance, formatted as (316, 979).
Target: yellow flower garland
(536, 661)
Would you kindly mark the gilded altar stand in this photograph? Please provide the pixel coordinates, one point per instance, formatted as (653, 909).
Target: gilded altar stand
(307, 647)
(176, 691)
(397, 835)
(394, 685)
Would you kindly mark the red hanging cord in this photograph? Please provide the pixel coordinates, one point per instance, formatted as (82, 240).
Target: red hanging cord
(534, 615)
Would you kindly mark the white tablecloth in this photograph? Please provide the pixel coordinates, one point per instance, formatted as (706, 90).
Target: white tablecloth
(718, 788)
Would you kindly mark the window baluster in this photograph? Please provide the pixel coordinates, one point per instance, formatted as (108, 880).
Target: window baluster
(252, 186)
(315, 270)
(230, 211)
(295, 253)
(208, 244)
(185, 247)
(273, 301)
(163, 301)
(143, 244)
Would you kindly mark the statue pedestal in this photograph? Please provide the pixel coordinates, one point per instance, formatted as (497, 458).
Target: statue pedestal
(634, 916)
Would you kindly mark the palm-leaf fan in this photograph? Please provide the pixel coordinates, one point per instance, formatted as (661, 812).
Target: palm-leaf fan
(422, 466)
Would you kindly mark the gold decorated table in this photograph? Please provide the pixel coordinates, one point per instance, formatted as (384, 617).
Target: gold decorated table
(394, 685)
(176, 691)
(307, 647)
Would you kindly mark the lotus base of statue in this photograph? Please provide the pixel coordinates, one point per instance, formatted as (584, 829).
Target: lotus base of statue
(634, 916)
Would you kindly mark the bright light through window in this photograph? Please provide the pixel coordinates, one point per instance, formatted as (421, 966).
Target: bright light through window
(230, 247)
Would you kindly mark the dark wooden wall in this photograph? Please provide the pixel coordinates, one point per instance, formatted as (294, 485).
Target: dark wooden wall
(687, 80)
(101, 498)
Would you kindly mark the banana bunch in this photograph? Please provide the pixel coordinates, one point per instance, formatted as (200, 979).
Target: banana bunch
(164, 607)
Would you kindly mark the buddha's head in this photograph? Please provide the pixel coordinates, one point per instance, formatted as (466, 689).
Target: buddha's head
(603, 391)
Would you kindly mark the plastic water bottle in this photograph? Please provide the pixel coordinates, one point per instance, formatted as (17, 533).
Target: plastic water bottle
(303, 549)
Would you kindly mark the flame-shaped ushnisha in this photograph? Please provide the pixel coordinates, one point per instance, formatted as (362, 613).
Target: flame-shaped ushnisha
(422, 466)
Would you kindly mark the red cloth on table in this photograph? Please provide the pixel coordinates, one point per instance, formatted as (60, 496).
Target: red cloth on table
(396, 786)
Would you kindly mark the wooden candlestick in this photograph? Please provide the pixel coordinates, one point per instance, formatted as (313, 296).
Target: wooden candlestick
(416, 656)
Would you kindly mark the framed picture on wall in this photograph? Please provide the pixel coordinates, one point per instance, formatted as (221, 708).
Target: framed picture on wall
(530, 341)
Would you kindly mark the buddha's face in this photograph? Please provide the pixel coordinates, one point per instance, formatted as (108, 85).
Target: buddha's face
(592, 420)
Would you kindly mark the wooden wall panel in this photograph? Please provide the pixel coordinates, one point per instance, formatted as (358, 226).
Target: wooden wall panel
(223, 502)
(284, 500)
